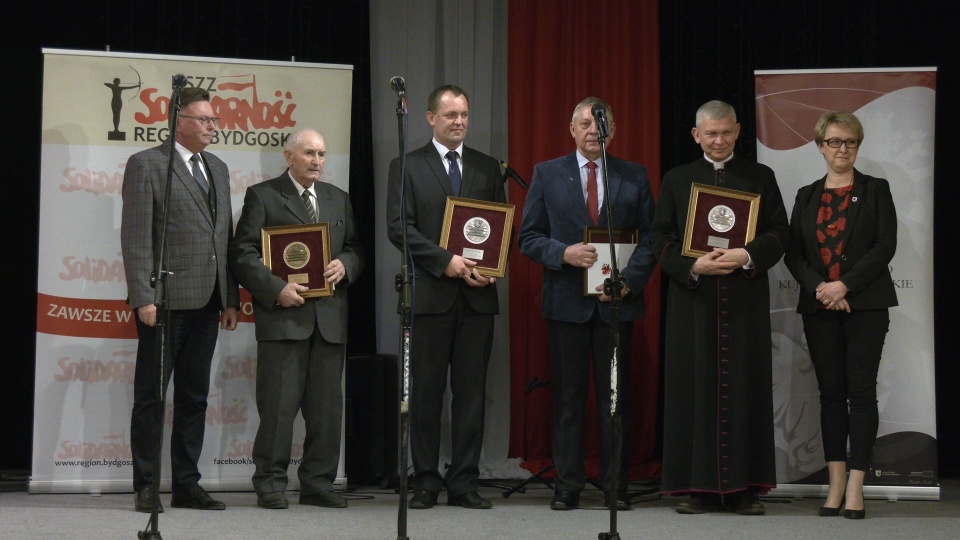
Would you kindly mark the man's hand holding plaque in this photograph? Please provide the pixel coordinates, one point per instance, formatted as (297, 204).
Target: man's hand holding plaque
(467, 270)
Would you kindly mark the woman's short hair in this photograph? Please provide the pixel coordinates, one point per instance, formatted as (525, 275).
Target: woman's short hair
(840, 118)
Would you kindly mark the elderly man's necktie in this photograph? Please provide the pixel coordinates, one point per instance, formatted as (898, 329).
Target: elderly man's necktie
(308, 204)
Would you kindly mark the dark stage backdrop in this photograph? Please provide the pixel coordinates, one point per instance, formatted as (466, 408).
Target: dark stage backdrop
(709, 49)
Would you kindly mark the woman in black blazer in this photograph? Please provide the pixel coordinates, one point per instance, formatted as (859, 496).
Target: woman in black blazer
(844, 234)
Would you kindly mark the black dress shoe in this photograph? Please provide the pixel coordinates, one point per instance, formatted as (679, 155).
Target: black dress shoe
(623, 500)
(422, 500)
(143, 501)
(326, 499)
(471, 500)
(197, 498)
(565, 500)
(274, 500)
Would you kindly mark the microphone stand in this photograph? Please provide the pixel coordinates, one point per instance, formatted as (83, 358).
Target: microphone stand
(611, 287)
(162, 329)
(403, 283)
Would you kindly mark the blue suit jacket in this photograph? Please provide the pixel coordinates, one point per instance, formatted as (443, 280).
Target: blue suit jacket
(554, 217)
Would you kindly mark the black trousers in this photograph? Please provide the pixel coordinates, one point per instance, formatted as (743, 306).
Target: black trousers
(845, 349)
(576, 351)
(457, 342)
(193, 338)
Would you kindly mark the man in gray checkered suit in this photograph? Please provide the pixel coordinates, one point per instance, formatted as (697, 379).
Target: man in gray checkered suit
(201, 294)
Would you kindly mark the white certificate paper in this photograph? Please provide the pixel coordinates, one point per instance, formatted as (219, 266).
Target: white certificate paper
(602, 269)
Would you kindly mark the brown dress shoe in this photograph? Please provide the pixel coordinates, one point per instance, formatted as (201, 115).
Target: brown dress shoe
(698, 504)
(745, 504)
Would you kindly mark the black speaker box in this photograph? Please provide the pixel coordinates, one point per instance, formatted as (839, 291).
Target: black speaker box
(372, 420)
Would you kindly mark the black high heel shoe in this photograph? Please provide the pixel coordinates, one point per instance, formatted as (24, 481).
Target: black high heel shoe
(856, 514)
(829, 511)
(826, 511)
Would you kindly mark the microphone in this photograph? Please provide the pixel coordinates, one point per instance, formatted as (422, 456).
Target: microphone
(600, 115)
(508, 171)
(398, 85)
(179, 81)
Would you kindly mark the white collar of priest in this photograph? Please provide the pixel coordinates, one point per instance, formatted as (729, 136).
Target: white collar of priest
(717, 165)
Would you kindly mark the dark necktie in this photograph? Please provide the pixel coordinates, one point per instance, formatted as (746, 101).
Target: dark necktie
(198, 172)
(308, 204)
(593, 199)
(454, 172)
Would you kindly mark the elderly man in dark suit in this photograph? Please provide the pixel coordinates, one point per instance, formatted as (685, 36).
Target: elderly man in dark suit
(200, 293)
(453, 305)
(566, 195)
(301, 343)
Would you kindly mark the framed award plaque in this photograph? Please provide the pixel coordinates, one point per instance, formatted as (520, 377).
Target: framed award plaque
(479, 231)
(625, 242)
(719, 218)
(299, 254)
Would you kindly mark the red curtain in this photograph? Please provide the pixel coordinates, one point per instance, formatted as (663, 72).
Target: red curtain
(561, 51)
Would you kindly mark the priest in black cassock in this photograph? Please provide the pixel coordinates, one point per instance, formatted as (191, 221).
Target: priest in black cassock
(718, 443)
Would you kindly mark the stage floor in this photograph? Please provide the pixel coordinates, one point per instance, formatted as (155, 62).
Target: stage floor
(374, 514)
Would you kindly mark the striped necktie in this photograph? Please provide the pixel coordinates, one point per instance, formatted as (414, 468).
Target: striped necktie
(308, 204)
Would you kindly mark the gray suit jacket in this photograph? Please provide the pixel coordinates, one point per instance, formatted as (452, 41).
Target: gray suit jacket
(554, 217)
(275, 202)
(196, 240)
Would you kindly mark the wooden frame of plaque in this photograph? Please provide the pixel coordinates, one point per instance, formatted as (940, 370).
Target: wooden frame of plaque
(719, 218)
(482, 232)
(291, 253)
(600, 237)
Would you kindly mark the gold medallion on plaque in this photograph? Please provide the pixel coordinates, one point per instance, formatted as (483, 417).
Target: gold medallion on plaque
(296, 255)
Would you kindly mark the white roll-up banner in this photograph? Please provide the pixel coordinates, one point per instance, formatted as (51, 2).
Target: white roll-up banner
(896, 108)
(98, 109)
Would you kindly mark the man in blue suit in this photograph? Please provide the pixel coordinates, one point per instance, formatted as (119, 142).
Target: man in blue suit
(566, 195)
